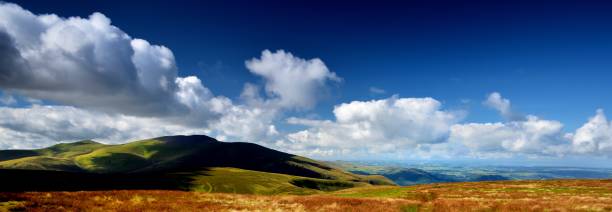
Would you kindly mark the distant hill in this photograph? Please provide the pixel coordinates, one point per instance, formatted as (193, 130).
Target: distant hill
(399, 175)
(413, 176)
(185, 162)
(435, 173)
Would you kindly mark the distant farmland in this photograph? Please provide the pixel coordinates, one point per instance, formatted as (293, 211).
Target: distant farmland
(549, 195)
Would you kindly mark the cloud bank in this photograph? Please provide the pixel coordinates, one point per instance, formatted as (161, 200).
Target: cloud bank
(89, 67)
(41, 126)
(86, 62)
(376, 126)
(594, 137)
(419, 127)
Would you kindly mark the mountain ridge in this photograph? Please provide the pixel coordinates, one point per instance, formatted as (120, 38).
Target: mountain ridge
(195, 159)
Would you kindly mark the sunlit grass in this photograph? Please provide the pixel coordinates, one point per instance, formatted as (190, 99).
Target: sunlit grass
(556, 195)
(549, 195)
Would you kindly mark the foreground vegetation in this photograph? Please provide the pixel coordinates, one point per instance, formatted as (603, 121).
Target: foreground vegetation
(528, 195)
(549, 195)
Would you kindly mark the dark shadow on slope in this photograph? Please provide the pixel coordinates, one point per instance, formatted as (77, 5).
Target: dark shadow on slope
(12, 180)
(212, 153)
(172, 164)
(16, 154)
(120, 162)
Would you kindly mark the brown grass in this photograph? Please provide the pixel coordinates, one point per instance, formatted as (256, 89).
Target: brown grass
(550, 195)
(545, 195)
(157, 200)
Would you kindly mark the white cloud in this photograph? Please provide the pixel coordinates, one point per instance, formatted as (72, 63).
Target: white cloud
(376, 90)
(533, 137)
(594, 137)
(497, 102)
(247, 124)
(85, 62)
(520, 135)
(418, 128)
(379, 126)
(292, 82)
(41, 126)
(96, 68)
(117, 88)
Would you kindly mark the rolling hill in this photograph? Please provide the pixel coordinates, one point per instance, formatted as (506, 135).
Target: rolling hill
(414, 176)
(173, 162)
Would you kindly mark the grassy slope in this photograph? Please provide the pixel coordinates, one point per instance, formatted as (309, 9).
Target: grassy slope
(193, 156)
(41, 163)
(59, 157)
(232, 180)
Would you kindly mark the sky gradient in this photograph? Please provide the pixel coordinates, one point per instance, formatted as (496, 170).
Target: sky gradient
(418, 80)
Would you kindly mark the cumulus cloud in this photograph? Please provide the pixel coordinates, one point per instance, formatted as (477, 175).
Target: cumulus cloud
(85, 62)
(384, 125)
(497, 102)
(41, 126)
(525, 135)
(532, 136)
(595, 136)
(251, 124)
(290, 81)
(418, 127)
(100, 72)
(115, 88)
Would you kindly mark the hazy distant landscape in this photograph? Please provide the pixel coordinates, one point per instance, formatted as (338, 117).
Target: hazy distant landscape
(435, 173)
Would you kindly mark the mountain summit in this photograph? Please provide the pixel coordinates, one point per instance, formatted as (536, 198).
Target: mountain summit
(188, 159)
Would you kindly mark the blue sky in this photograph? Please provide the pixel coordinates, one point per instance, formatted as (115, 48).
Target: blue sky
(551, 59)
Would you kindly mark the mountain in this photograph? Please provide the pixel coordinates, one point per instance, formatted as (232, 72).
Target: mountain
(413, 176)
(399, 175)
(425, 173)
(176, 162)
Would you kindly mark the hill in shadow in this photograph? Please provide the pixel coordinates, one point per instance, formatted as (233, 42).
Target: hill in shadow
(171, 162)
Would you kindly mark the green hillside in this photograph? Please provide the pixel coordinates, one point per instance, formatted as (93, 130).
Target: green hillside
(196, 162)
(232, 180)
